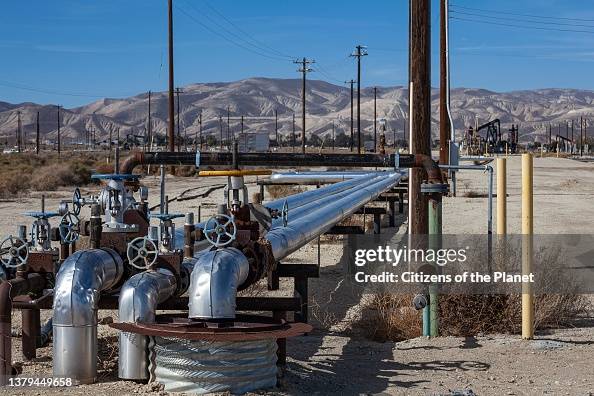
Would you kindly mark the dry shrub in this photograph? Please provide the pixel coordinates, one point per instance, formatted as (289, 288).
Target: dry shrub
(185, 171)
(53, 176)
(390, 317)
(474, 194)
(282, 190)
(13, 183)
(467, 315)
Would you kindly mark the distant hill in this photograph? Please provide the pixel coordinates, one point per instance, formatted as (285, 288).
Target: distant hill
(258, 98)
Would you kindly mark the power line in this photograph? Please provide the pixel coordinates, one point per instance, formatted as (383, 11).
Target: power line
(520, 14)
(239, 37)
(547, 23)
(520, 26)
(205, 26)
(52, 92)
(263, 44)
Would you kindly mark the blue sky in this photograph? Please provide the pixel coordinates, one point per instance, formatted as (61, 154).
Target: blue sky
(90, 49)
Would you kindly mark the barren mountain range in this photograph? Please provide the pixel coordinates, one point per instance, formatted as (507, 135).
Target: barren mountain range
(257, 99)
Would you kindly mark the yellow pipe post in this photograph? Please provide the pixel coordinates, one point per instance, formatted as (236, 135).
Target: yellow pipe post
(527, 230)
(501, 196)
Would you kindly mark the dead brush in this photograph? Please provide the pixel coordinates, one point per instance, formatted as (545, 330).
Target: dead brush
(390, 317)
(276, 191)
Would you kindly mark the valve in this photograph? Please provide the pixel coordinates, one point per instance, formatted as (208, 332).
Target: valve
(167, 229)
(142, 253)
(69, 228)
(77, 201)
(215, 229)
(13, 252)
(285, 213)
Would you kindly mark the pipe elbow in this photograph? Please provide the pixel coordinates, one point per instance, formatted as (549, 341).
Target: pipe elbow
(134, 159)
(79, 282)
(141, 294)
(214, 282)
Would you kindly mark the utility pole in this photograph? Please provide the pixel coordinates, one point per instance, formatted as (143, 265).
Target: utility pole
(229, 127)
(359, 52)
(571, 136)
(221, 130)
(293, 136)
(333, 137)
(18, 136)
(244, 135)
(149, 126)
(550, 135)
(352, 132)
(171, 134)
(276, 127)
(179, 139)
(199, 132)
(444, 119)
(374, 119)
(420, 108)
(304, 69)
(59, 129)
(37, 134)
(581, 136)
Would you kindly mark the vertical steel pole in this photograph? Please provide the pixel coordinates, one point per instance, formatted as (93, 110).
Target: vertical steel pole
(501, 196)
(435, 229)
(527, 230)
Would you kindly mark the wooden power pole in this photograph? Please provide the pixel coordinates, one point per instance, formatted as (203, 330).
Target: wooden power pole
(359, 52)
(444, 119)
(352, 131)
(374, 119)
(37, 134)
(171, 131)
(304, 69)
(420, 107)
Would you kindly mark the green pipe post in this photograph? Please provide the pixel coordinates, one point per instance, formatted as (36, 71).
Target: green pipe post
(435, 244)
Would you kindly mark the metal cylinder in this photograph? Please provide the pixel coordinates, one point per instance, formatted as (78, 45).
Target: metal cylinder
(138, 301)
(95, 226)
(201, 367)
(79, 283)
(189, 238)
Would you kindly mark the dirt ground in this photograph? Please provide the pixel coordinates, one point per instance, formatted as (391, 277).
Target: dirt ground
(335, 359)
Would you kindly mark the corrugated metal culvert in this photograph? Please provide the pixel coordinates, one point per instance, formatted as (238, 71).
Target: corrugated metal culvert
(204, 367)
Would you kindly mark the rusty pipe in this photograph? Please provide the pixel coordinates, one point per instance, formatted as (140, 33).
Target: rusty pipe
(434, 174)
(134, 159)
(9, 290)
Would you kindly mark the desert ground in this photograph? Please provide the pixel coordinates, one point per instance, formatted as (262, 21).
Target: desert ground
(336, 359)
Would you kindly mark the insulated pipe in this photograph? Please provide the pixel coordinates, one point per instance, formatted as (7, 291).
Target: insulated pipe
(79, 283)
(286, 240)
(297, 200)
(138, 301)
(214, 281)
(304, 209)
(321, 177)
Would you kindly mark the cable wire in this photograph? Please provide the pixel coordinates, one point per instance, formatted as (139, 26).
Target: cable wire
(520, 14)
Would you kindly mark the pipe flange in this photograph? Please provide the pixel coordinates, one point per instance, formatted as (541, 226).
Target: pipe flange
(13, 252)
(435, 188)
